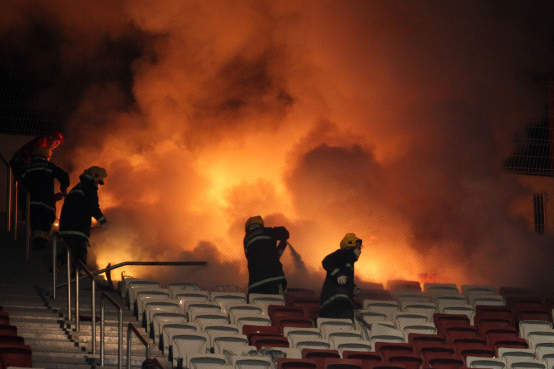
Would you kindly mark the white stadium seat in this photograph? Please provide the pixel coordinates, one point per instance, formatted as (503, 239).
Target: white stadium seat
(259, 320)
(434, 289)
(173, 329)
(411, 297)
(337, 337)
(352, 345)
(186, 344)
(387, 307)
(544, 352)
(233, 343)
(133, 283)
(470, 290)
(194, 308)
(153, 307)
(252, 362)
(224, 299)
(426, 308)
(182, 286)
(206, 361)
(328, 325)
(381, 333)
(185, 296)
(212, 328)
(312, 343)
(204, 319)
(160, 320)
(369, 317)
(420, 328)
(484, 362)
(458, 308)
(134, 290)
(402, 318)
(514, 362)
(505, 352)
(541, 339)
(281, 352)
(450, 299)
(491, 300)
(296, 333)
(528, 326)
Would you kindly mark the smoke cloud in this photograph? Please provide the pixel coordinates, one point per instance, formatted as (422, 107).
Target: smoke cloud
(387, 119)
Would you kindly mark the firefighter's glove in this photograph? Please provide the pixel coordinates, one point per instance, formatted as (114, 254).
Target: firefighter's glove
(342, 279)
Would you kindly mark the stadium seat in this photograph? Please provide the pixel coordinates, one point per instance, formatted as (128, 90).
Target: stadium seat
(380, 333)
(171, 330)
(421, 328)
(489, 300)
(17, 355)
(514, 362)
(312, 343)
(415, 338)
(398, 285)
(262, 340)
(243, 309)
(134, 288)
(544, 314)
(181, 286)
(402, 318)
(544, 352)
(204, 319)
(403, 297)
(541, 339)
(342, 364)
(387, 307)
(280, 309)
(435, 289)
(328, 325)
(252, 362)
(486, 327)
(474, 349)
(221, 328)
(515, 291)
(242, 320)
(292, 321)
(160, 320)
(459, 308)
(264, 300)
(425, 308)
(370, 317)
(367, 358)
(206, 361)
(353, 344)
(505, 352)
(506, 340)
(478, 290)
(144, 295)
(444, 361)
(200, 307)
(335, 337)
(281, 352)
(187, 296)
(286, 363)
(424, 347)
(494, 316)
(388, 348)
(153, 307)
(386, 365)
(454, 334)
(443, 321)
(234, 343)
(484, 362)
(528, 326)
(132, 283)
(4, 318)
(311, 309)
(12, 340)
(295, 333)
(271, 330)
(407, 360)
(8, 330)
(224, 299)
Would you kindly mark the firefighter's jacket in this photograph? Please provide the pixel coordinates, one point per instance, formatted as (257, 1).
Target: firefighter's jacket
(339, 263)
(38, 178)
(23, 156)
(80, 205)
(260, 247)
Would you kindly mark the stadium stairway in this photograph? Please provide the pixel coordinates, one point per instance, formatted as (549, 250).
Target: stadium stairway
(25, 296)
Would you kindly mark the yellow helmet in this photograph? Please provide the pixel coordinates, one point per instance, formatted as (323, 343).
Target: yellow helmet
(350, 240)
(43, 152)
(253, 222)
(97, 173)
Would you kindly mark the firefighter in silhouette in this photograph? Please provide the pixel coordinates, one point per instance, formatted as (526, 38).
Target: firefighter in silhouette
(24, 155)
(38, 178)
(265, 271)
(81, 204)
(338, 289)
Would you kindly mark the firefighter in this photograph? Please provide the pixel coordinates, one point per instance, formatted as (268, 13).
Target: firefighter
(338, 289)
(23, 156)
(81, 204)
(265, 271)
(38, 178)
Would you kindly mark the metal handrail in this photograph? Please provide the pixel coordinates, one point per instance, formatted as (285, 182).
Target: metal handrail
(119, 330)
(130, 329)
(143, 263)
(82, 265)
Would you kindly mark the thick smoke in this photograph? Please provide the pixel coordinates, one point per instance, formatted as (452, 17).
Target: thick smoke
(388, 119)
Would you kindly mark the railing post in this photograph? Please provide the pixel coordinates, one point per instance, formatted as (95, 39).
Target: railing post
(15, 210)
(129, 348)
(93, 314)
(68, 283)
(120, 339)
(27, 226)
(54, 264)
(9, 188)
(77, 319)
(102, 331)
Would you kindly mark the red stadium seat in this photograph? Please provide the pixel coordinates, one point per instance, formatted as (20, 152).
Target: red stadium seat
(16, 355)
(385, 348)
(479, 309)
(499, 327)
(419, 337)
(273, 341)
(475, 350)
(454, 334)
(408, 361)
(293, 321)
(366, 357)
(506, 340)
(272, 330)
(4, 318)
(423, 347)
(342, 364)
(319, 355)
(385, 365)
(8, 330)
(464, 346)
(515, 291)
(441, 361)
(494, 316)
(534, 314)
(280, 309)
(311, 309)
(443, 321)
(473, 340)
(283, 363)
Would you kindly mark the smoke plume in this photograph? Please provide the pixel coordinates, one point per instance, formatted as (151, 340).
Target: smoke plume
(390, 119)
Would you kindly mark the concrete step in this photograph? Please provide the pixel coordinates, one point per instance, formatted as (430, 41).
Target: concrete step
(60, 357)
(41, 345)
(53, 365)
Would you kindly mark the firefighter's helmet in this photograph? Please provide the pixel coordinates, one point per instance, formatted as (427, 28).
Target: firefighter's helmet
(97, 173)
(350, 240)
(42, 152)
(253, 222)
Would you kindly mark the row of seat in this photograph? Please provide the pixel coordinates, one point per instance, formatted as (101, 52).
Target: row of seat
(13, 351)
